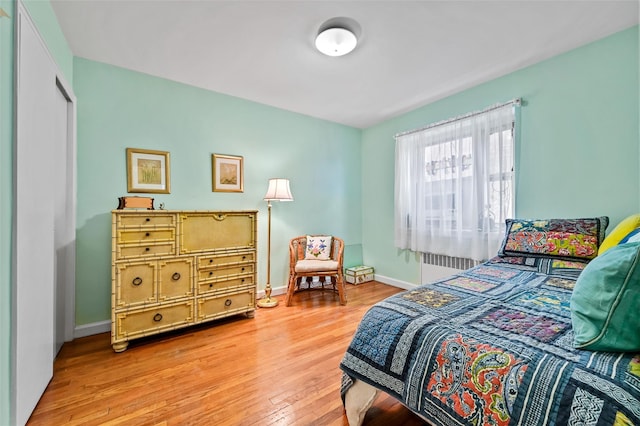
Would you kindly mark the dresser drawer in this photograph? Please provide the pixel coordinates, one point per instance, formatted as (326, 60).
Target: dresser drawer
(128, 250)
(225, 259)
(217, 231)
(217, 285)
(175, 278)
(135, 284)
(226, 305)
(138, 323)
(146, 219)
(150, 235)
(226, 271)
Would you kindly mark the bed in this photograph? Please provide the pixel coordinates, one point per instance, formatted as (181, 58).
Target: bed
(497, 344)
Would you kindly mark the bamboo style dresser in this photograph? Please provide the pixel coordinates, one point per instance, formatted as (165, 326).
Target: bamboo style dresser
(175, 268)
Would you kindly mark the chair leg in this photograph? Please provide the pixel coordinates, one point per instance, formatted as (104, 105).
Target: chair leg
(290, 289)
(342, 292)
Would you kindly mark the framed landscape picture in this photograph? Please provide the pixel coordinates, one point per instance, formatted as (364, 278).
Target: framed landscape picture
(148, 171)
(227, 173)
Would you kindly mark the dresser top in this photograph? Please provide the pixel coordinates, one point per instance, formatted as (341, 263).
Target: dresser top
(145, 211)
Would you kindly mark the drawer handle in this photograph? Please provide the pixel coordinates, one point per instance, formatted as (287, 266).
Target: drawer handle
(242, 280)
(227, 302)
(210, 273)
(210, 285)
(148, 219)
(175, 276)
(157, 317)
(147, 249)
(136, 281)
(147, 234)
(244, 257)
(243, 269)
(210, 260)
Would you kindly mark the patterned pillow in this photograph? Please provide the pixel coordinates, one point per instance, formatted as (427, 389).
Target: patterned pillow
(318, 247)
(558, 238)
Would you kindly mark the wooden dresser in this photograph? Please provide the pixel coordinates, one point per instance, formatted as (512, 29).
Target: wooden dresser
(173, 268)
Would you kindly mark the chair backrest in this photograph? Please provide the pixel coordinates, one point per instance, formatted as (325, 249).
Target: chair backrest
(298, 248)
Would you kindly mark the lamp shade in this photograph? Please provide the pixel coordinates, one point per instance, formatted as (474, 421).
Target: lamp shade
(336, 41)
(278, 190)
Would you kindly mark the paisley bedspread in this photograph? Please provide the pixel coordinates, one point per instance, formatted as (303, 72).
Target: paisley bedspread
(493, 346)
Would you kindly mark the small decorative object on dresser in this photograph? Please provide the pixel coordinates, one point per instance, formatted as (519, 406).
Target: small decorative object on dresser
(175, 268)
(135, 203)
(358, 274)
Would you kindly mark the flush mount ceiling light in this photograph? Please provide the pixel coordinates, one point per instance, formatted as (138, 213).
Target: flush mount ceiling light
(336, 41)
(337, 37)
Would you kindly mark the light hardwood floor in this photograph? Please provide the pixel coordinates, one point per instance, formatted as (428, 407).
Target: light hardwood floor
(279, 368)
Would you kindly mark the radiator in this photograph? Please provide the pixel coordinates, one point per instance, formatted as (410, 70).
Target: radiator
(448, 261)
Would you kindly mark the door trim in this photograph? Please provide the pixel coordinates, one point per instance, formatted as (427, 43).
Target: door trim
(70, 208)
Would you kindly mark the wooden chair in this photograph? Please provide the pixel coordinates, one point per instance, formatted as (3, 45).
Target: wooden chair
(302, 268)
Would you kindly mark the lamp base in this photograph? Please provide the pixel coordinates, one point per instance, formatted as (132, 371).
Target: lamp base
(267, 302)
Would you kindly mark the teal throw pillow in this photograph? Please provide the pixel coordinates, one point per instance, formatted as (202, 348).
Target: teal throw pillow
(605, 301)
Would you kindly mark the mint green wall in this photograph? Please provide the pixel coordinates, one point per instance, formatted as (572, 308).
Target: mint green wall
(118, 109)
(578, 153)
(6, 184)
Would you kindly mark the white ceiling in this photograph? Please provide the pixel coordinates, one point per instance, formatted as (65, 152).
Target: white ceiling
(410, 53)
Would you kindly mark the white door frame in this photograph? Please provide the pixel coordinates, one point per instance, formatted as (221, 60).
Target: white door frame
(70, 208)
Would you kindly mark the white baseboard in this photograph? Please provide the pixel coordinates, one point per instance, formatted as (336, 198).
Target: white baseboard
(105, 326)
(377, 277)
(275, 291)
(91, 329)
(393, 282)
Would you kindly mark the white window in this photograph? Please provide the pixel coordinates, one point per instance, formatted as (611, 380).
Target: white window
(454, 184)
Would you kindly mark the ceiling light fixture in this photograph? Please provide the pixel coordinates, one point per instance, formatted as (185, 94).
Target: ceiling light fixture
(336, 41)
(337, 36)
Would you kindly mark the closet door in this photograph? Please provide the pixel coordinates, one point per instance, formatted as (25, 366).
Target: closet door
(33, 303)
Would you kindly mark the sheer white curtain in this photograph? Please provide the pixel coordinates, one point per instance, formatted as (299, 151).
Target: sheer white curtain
(454, 184)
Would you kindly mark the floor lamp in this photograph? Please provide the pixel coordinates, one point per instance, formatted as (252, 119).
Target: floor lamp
(278, 191)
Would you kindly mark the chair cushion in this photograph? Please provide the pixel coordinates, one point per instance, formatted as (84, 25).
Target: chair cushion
(312, 265)
(318, 247)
